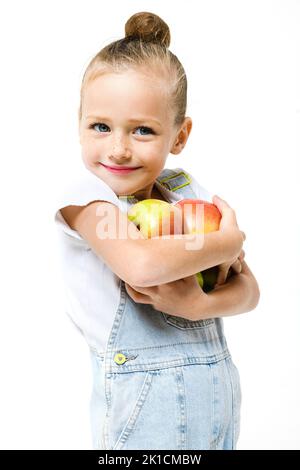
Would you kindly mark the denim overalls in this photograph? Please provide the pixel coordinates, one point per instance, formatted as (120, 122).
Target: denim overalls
(164, 382)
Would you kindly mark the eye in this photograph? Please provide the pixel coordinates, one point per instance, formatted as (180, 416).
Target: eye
(100, 124)
(103, 127)
(147, 130)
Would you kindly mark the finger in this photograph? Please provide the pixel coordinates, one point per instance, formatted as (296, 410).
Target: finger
(141, 290)
(137, 296)
(222, 275)
(225, 210)
(218, 201)
(221, 204)
(237, 266)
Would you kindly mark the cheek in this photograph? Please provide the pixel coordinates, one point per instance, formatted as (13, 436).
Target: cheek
(90, 150)
(153, 148)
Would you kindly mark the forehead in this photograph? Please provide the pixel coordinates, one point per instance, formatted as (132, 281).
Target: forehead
(127, 92)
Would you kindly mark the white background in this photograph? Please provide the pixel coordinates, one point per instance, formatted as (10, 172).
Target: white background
(240, 60)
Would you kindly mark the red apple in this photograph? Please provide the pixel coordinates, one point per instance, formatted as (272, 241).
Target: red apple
(196, 221)
(201, 217)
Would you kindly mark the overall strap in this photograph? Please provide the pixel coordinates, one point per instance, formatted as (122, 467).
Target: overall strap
(127, 201)
(175, 180)
(178, 181)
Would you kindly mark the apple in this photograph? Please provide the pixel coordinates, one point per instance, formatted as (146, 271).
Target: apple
(155, 217)
(196, 221)
(193, 222)
(200, 279)
(210, 277)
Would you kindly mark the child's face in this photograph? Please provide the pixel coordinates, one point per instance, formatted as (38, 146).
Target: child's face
(110, 137)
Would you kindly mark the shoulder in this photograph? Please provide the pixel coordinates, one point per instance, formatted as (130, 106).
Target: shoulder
(70, 214)
(202, 191)
(76, 192)
(84, 186)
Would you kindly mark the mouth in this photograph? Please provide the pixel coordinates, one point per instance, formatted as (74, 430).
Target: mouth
(120, 169)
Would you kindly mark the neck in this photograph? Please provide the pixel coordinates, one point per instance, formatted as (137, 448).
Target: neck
(145, 193)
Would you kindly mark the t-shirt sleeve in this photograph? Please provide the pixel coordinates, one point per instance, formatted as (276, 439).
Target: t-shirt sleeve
(200, 191)
(78, 192)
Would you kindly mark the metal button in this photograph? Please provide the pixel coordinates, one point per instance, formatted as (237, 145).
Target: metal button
(120, 358)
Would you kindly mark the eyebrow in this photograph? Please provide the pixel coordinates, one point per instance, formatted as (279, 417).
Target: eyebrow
(101, 118)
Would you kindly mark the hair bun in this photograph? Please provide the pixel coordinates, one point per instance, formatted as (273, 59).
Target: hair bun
(148, 27)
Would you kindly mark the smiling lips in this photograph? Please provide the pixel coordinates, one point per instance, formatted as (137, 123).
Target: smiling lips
(120, 169)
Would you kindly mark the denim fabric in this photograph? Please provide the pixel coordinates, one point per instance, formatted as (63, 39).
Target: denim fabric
(178, 388)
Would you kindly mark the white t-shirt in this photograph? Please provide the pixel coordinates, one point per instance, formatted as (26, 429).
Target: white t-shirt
(92, 289)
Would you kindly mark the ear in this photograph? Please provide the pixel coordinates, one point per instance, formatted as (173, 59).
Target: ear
(182, 136)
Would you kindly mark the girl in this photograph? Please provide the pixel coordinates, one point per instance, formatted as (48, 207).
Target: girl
(163, 375)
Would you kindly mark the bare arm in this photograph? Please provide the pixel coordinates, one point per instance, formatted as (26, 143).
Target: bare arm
(169, 259)
(185, 298)
(149, 262)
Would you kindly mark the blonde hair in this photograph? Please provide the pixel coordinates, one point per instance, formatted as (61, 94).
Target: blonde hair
(144, 48)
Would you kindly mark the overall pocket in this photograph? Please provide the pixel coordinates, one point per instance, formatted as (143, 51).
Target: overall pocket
(184, 324)
(148, 410)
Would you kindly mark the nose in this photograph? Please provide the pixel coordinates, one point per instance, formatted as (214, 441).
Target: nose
(120, 150)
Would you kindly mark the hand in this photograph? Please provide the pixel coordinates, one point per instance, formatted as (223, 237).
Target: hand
(228, 225)
(179, 298)
(224, 268)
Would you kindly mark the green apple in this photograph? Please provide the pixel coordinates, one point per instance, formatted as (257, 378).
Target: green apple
(155, 217)
(200, 279)
(210, 277)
